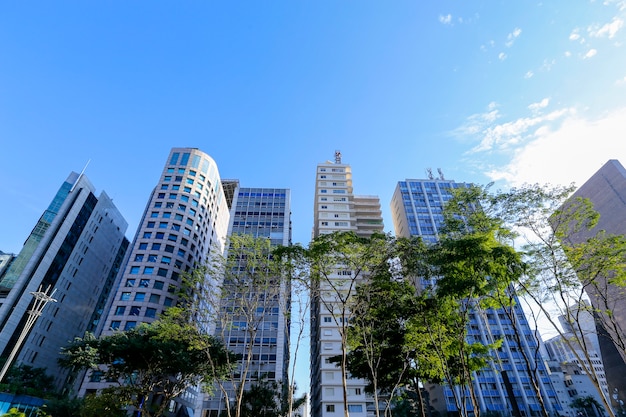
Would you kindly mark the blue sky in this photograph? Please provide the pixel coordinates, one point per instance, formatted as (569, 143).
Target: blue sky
(489, 90)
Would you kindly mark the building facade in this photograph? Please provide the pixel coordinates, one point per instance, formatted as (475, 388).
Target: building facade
(606, 189)
(336, 209)
(76, 249)
(184, 222)
(417, 210)
(262, 338)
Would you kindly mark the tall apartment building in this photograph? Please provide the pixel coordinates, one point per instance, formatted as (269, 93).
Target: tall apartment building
(417, 210)
(76, 248)
(606, 189)
(261, 213)
(336, 209)
(185, 220)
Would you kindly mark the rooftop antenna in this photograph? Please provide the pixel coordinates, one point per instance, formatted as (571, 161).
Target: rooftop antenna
(429, 172)
(338, 157)
(441, 177)
(80, 175)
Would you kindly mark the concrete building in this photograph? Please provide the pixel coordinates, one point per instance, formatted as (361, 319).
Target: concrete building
(263, 337)
(76, 248)
(5, 261)
(184, 222)
(606, 189)
(336, 209)
(417, 210)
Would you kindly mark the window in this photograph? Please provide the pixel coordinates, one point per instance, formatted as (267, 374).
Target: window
(355, 408)
(115, 324)
(178, 217)
(158, 204)
(150, 224)
(134, 310)
(154, 214)
(167, 214)
(155, 298)
(327, 319)
(162, 225)
(167, 178)
(120, 310)
(145, 283)
(166, 260)
(130, 282)
(158, 285)
(182, 207)
(164, 186)
(151, 312)
(172, 237)
(160, 235)
(161, 195)
(168, 302)
(330, 408)
(173, 196)
(140, 296)
(162, 272)
(125, 296)
(169, 248)
(130, 325)
(139, 257)
(143, 246)
(148, 270)
(147, 235)
(152, 257)
(134, 269)
(156, 246)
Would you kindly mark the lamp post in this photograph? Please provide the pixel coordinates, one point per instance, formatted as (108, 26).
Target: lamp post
(41, 299)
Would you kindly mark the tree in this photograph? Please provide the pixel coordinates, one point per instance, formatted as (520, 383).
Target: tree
(588, 406)
(153, 362)
(26, 379)
(14, 412)
(560, 273)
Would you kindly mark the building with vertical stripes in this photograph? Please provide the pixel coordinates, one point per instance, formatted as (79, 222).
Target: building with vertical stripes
(417, 210)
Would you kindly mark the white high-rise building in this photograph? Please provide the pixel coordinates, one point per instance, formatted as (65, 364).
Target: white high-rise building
(336, 209)
(185, 220)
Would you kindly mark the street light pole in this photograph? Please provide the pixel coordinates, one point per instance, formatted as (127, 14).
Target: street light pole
(41, 299)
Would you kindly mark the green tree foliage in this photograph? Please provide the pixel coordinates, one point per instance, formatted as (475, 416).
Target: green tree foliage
(155, 361)
(14, 412)
(25, 379)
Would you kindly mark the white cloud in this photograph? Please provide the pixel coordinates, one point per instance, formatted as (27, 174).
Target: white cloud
(621, 81)
(536, 107)
(607, 30)
(574, 35)
(567, 54)
(590, 53)
(501, 56)
(445, 19)
(569, 152)
(529, 74)
(503, 136)
(512, 36)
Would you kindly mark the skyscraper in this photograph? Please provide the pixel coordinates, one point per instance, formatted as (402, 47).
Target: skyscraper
(606, 189)
(262, 338)
(76, 248)
(185, 220)
(417, 210)
(336, 209)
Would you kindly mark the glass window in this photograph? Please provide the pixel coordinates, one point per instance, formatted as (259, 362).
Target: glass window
(174, 159)
(169, 248)
(155, 298)
(115, 324)
(181, 253)
(150, 224)
(184, 198)
(192, 173)
(192, 212)
(139, 257)
(134, 310)
(134, 269)
(173, 196)
(158, 204)
(167, 214)
(170, 170)
(158, 285)
(176, 227)
(147, 235)
(184, 241)
(160, 235)
(182, 207)
(172, 237)
(181, 170)
(130, 325)
(167, 178)
(130, 282)
(187, 231)
(169, 205)
(140, 296)
(166, 260)
(189, 222)
(143, 246)
(187, 189)
(164, 186)
(189, 181)
(168, 302)
(148, 270)
(144, 283)
(151, 312)
(185, 159)
(178, 217)
(355, 408)
(156, 246)
(152, 257)
(154, 214)
(162, 272)
(125, 296)
(194, 203)
(161, 195)
(119, 310)
(175, 187)
(162, 225)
